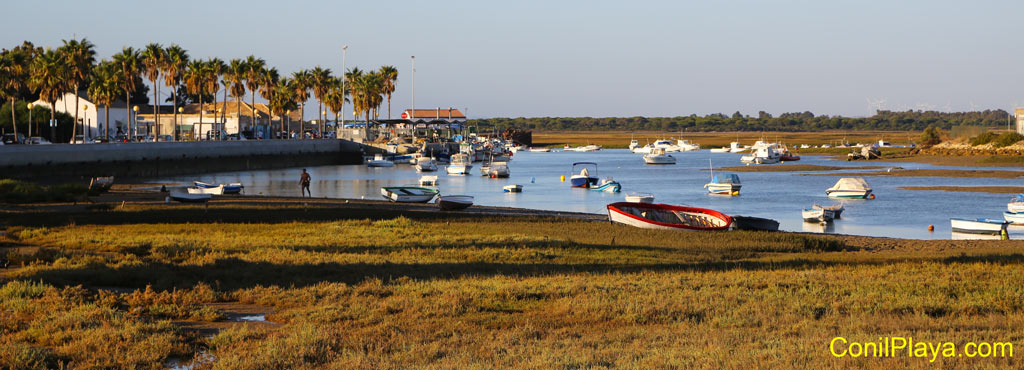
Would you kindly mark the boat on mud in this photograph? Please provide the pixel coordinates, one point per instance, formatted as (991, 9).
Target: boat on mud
(667, 217)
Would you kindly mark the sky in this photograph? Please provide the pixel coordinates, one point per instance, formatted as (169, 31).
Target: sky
(594, 58)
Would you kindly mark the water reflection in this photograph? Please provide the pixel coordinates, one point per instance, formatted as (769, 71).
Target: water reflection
(818, 227)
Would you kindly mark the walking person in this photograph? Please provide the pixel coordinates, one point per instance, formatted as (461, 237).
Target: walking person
(304, 182)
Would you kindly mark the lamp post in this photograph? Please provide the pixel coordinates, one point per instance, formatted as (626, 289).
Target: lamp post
(136, 127)
(177, 127)
(412, 112)
(321, 133)
(84, 135)
(287, 132)
(220, 129)
(29, 123)
(344, 52)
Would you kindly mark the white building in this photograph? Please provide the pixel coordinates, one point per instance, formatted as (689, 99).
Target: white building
(1020, 121)
(91, 115)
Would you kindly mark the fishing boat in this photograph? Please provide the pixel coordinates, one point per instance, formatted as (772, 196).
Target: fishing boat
(101, 184)
(460, 164)
(408, 194)
(498, 170)
(379, 161)
(514, 188)
(218, 190)
(426, 165)
(668, 217)
(454, 202)
(232, 188)
(190, 197)
(687, 146)
(849, 188)
(978, 226)
(644, 149)
(1014, 218)
(640, 198)
(607, 185)
(428, 180)
(668, 145)
(754, 223)
(583, 179)
(817, 215)
(837, 209)
(658, 156)
(1016, 205)
(540, 149)
(584, 148)
(762, 155)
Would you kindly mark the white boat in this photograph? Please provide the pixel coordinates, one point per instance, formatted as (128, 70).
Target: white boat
(633, 144)
(640, 198)
(498, 170)
(454, 202)
(726, 183)
(667, 217)
(817, 215)
(978, 226)
(736, 147)
(218, 190)
(1016, 204)
(101, 184)
(232, 188)
(540, 149)
(190, 198)
(459, 165)
(1014, 218)
(658, 156)
(426, 180)
(723, 149)
(837, 209)
(585, 148)
(426, 165)
(514, 188)
(687, 146)
(408, 194)
(643, 149)
(762, 155)
(668, 145)
(849, 188)
(379, 161)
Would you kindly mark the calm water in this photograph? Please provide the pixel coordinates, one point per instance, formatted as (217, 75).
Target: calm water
(778, 195)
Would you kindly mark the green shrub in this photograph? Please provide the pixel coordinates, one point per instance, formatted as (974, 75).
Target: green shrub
(16, 191)
(984, 138)
(931, 136)
(1007, 139)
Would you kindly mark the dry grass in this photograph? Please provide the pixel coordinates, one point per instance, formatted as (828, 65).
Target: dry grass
(492, 293)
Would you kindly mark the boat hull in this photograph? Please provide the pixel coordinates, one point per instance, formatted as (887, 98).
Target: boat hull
(1014, 218)
(817, 215)
(978, 226)
(640, 198)
(458, 169)
(848, 194)
(661, 159)
(667, 217)
(191, 198)
(610, 187)
(380, 163)
(404, 194)
(512, 189)
(454, 202)
(577, 181)
(724, 189)
(754, 223)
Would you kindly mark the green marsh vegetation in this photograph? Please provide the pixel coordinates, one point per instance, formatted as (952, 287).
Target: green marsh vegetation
(386, 291)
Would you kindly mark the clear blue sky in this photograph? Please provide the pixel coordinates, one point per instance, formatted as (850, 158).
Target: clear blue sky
(595, 58)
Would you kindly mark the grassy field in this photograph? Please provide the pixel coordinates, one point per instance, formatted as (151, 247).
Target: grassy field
(343, 289)
(620, 139)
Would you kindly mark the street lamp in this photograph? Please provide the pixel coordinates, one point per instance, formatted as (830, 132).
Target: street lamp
(136, 119)
(221, 123)
(177, 127)
(29, 124)
(322, 124)
(344, 52)
(287, 133)
(84, 135)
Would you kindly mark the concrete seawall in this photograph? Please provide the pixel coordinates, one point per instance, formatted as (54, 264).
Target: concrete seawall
(147, 160)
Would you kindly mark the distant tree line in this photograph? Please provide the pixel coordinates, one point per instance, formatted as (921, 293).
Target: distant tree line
(805, 121)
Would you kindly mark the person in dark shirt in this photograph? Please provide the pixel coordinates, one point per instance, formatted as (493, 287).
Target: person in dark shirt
(304, 181)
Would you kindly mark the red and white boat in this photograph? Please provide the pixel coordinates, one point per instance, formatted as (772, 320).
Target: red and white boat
(668, 217)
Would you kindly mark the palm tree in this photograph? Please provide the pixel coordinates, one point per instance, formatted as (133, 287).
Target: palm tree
(193, 77)
(14, 71)
(335, 98)
(49, 75)
(104, 85)
(177, 59)
(234, 75)
(268, 83)
(300, 93)
(390, 75)
(318, 80)
(127, 62)
(282, 99)
(153, 59)
(80, 57)
(254, 70)
(211, 78)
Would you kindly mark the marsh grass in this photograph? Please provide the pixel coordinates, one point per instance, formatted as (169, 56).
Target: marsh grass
(17, 191)
(410, 291)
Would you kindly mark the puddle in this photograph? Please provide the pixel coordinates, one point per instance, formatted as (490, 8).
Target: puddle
(202, 357)
(252, 318)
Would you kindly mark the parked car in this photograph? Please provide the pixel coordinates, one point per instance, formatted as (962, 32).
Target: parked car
(165, 138)
(81, 139)
(11, 139)
(37, 140)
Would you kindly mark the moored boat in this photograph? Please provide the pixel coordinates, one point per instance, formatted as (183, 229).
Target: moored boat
(428, 180)
(817, 215)
(498, 170)
(1016, 205)
(583, 179)
(978, 226)
(460, 164)
(658, 156)
(687, 146)
(849, 188)
(101, 184)
(607, 185)
(514, 188)
(190, 197)
(218, 190)
(668, 217)
(408, 194)
(754, 223)
(379, 161)
(640, 198)
(837, 209)
(725, 184)
(426, 165)
(454, 202)
(232, 188)
(1014, 218)
(540, 149)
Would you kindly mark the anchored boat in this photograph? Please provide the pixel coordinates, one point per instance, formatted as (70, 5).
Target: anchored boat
(754, 223)
(408, 194)
(978, 226)
(583, 179)
(849, 188)
(607, 185)
(190, 197)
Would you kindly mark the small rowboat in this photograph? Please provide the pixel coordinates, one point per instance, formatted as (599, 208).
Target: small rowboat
(607, 185)
(817, 215)
(408, 194)
(514, 188)
(190, 197)
(1014, 218)
(218, 190)
(837, 209)
(640, 198)
(978, 226)
(754, 223)
(454, 202)
(667, 217)
(232, 188)
(101, 184)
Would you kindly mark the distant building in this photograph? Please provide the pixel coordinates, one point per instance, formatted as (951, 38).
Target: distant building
(92, 116)
(437, 115)
(225, 118)
(1020, 121)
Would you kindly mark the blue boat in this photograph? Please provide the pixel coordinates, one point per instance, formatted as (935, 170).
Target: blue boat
(583, 178)
(607, 185)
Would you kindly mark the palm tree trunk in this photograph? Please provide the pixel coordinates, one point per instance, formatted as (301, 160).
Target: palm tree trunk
(174, 90)
(14, 120)
(53, 108)
(253, 123)
(156, 109)
(213, 125)
(224, 112)
(302, 116)
(389, 106)
(106, 111)
(128, 112)
(238, 113)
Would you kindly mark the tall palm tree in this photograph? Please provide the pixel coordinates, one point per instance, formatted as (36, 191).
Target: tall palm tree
(254, 70)
(49, 75)
(211, 80)
(300, 93)
(80, 55)
(153, 58)
(318, 81)
(193, 77)
(234, 75)
(335, 98)
(177, 59)
(14, 72)
(282, 100)
(268, 82)
(104, 85)
(390, 75)
(127, 62)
